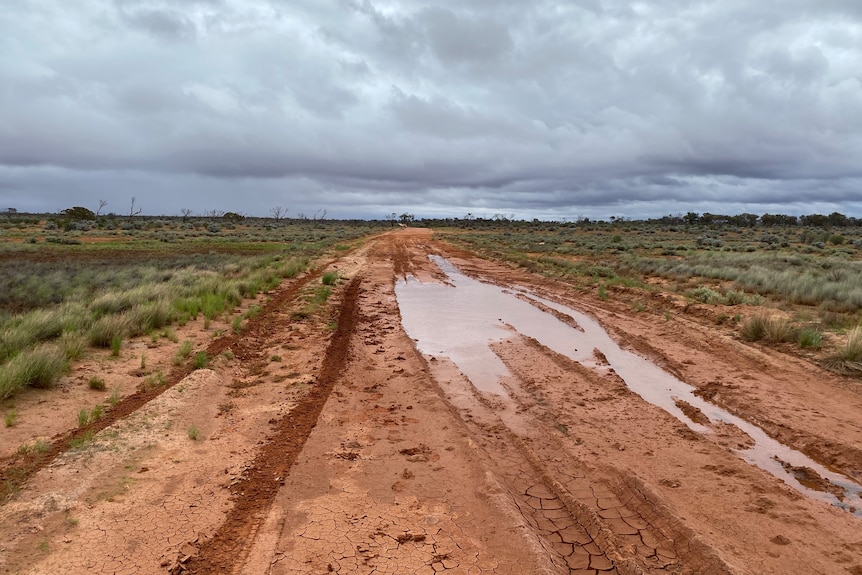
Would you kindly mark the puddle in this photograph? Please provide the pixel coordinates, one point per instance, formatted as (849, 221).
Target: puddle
(461, 320)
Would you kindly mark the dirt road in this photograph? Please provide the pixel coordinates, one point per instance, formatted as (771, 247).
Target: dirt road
(337, 447)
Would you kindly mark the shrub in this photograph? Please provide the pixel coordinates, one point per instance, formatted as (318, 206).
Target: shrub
(201, 360)
(704, 294)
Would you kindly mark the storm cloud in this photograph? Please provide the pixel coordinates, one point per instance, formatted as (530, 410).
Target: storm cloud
(362, 108)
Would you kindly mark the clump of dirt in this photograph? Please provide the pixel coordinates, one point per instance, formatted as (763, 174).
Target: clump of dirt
(692, 412)
(812, 480)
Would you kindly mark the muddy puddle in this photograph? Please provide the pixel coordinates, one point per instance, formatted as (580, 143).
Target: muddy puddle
(460, 321)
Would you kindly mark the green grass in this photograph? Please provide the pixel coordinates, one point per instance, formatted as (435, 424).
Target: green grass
(321, 294)
(116, 346)
(201, 360)
(183, 352)
(83, 417)
(11, 417)
(236, 325)
(329, 278)
(193, 432)
(83, 440)
(96, 383)
(809, 338)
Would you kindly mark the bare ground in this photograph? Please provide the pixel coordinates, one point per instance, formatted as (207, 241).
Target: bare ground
(328, 444)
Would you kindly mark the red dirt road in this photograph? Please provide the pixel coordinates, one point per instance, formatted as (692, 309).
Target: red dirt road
(334, 446)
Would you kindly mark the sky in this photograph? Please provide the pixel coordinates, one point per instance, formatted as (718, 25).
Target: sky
(525, 109)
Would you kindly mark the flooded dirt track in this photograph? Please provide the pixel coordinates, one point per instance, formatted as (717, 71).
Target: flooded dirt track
(475, 450)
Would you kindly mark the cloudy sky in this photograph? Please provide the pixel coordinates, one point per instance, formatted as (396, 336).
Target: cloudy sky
(366, 107)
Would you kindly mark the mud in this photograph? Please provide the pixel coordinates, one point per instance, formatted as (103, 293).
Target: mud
(337, 444)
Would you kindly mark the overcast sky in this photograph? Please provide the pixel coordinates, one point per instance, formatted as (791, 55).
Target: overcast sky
(439, 108)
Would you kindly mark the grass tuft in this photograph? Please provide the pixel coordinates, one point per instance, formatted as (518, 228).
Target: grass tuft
(96, 383)
(329, 278)
(83, 417)
(848, 358)
(39, 367)
(106, 329)
(183, 352)
(201, 360)
(809, 338)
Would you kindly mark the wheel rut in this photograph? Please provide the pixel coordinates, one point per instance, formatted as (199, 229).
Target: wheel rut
(253, 495)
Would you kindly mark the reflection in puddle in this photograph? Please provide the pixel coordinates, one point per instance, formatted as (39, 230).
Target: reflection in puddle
(460, 320)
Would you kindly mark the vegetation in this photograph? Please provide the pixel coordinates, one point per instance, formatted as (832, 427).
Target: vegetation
(329, 278)
(75, 292)
(96, 383)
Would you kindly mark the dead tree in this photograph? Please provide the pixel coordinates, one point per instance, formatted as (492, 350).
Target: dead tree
(278, 213)
(132, 211)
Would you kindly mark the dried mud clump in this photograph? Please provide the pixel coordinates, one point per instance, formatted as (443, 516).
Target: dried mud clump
(692, 412)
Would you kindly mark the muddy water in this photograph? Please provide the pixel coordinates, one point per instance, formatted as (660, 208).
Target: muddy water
(460, 320)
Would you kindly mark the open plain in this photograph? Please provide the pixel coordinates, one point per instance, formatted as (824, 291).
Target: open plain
(333, 442)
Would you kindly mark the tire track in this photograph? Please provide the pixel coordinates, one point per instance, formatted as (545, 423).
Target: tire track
(230, 545)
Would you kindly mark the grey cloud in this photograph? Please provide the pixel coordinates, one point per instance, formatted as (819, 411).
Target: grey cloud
(541, 108)
(464, 40)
